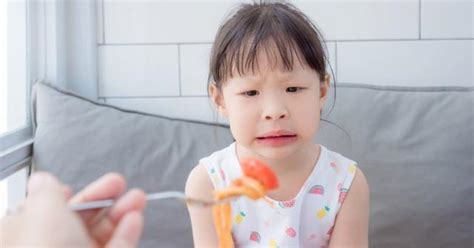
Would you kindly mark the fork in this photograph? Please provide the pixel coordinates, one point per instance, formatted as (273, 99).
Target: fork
(149, 197)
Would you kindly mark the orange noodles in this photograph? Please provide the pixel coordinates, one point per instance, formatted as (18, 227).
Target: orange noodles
(257, 180)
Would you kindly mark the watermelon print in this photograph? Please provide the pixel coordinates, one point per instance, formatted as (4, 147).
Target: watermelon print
(255, 236)
(291, 232)
(317, 190)
(287, 204)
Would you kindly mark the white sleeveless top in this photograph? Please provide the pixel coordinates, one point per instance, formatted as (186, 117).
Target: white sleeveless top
(305, 221)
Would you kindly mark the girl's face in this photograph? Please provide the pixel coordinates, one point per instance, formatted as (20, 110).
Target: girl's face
(273, 114)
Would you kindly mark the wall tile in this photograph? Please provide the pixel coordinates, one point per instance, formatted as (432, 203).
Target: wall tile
(406, 63)
(447, 19)
(138, 70)
(163, 22)
(353, 20)
(194, 69)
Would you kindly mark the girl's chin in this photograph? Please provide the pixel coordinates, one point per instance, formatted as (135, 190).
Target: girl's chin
(265, 152)
(275, 153)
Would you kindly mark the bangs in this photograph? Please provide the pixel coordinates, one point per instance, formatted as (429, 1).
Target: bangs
(281, 35)
(279, 52)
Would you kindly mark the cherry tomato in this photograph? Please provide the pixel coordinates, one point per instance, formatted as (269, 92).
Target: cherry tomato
(260, 171)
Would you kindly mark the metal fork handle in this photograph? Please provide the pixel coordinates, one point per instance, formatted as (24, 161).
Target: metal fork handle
(149, 197)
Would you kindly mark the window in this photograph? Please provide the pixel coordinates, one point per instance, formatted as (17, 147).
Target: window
(15, 127)
(3, 68)
(33, 47)
(13, 66)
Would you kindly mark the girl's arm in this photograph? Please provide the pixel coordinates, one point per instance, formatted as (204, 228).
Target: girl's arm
(199, 186)
(352, 222)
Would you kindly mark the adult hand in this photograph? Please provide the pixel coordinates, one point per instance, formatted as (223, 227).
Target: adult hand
(46, 220)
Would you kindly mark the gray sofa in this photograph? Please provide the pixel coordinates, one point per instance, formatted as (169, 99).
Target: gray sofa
(415, 146)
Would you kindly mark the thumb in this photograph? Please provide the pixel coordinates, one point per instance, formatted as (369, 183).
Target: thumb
(128, 231)
(43, 183)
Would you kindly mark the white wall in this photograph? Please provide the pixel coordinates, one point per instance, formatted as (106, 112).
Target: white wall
(152, 55)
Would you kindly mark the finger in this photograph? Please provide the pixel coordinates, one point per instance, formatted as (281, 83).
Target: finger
(44, 189)
(42, 181)
(108, 186)
(128, 231)
(111, 185)
(45, 192)
(132, 201)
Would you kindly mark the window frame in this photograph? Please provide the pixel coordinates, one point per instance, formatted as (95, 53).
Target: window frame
(16, 146)
(16, 149)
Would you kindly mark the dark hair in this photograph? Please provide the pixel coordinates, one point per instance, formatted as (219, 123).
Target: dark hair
(262, 27)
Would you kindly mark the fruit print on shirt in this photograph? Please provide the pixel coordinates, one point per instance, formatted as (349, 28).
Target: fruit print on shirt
(239, 218)
(255, 236)
(317, 190)
(352, 168)
(322, 212)
(287, 204)
(290, 231)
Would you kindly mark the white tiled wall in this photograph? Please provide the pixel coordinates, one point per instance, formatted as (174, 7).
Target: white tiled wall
(138, 70)
(153, 55)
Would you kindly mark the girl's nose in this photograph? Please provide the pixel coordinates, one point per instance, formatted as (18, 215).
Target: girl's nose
(274, 106)
(269, 117)
(275, 113)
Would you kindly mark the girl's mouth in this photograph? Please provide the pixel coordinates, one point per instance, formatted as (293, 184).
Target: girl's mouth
(280, 140)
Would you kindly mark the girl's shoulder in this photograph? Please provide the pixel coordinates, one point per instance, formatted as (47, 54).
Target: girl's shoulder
(338, 162)
(336, 175)
(218, 156)
(198, 184)
(202, 179)
(222, 166)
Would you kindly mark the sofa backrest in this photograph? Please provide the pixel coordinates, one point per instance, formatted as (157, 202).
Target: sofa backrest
(415, 146)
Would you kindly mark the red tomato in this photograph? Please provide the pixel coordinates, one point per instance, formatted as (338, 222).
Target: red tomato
(260, 171)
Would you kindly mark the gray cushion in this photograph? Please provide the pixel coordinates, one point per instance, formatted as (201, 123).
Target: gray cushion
(415, 146)
(79, 140)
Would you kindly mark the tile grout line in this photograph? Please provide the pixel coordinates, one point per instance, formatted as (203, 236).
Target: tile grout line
(362, 40)
(179, 70)
(98, 45)
(103, 22)
(45, 42)
(419, 19)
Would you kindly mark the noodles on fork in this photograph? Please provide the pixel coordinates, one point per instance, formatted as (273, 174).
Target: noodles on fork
(257, 180)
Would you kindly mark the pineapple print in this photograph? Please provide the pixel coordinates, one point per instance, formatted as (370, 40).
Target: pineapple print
(239, 217)
(273, 243)
(322, 212)
(352, 168)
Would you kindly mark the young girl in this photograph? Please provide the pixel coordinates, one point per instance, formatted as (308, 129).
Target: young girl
(268, 78)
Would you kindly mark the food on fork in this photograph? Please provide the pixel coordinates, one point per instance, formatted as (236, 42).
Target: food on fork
(258, 178)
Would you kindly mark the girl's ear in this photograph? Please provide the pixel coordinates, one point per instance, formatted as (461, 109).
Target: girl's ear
(217, 99)
(323, 90)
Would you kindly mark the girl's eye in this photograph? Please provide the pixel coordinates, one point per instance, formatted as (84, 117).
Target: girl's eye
(250, 93)
(293, 89)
